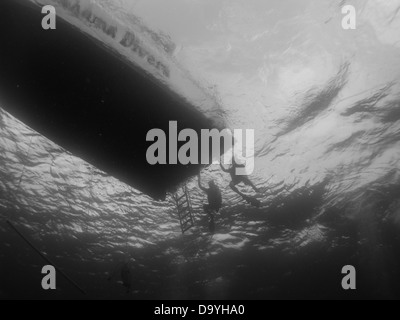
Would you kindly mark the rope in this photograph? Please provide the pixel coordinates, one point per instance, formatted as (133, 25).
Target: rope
(45, 258)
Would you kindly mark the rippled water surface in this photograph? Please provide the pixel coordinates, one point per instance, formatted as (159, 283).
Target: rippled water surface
(325, 106)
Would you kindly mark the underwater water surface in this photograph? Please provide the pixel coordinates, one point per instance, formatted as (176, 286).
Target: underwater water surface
(325, 107)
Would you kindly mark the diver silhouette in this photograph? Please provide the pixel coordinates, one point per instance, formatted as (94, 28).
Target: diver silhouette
(125, 271)
(214, 202)
(237, 179)
(126, 277)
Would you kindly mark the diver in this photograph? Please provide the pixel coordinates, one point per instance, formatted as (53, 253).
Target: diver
(214, 202)
(126, 276)
(237, 179)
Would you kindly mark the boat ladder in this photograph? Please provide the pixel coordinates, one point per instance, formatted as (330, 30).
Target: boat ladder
(184, 207)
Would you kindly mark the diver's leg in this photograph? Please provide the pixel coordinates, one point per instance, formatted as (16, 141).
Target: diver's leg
(248, 182)
(251, 200)
(211, 223)
(233, 187)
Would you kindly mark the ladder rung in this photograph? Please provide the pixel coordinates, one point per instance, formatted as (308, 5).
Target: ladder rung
(186, 229)
(187, 223)
(180, 205)
(182, 200)
(182, 196)
(184, 216)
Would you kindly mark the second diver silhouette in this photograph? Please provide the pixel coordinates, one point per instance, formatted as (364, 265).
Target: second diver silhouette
(237, 179)
(214, 202)
(125, 272)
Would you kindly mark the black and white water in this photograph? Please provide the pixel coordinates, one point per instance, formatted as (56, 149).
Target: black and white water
(325, 104)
